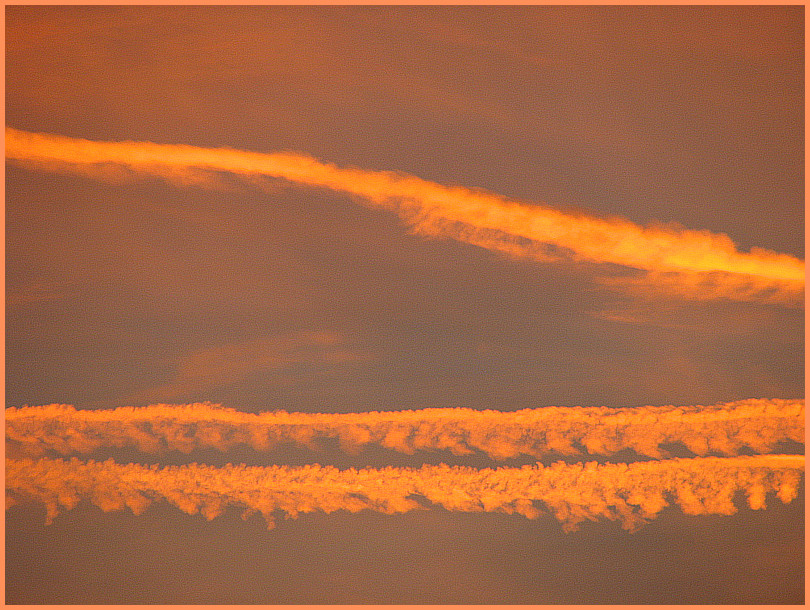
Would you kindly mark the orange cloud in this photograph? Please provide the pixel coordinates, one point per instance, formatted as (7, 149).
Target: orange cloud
(474, 216)
(233, 362)
(723, 429)
(630, 493)
(33, 292)
(711, 285)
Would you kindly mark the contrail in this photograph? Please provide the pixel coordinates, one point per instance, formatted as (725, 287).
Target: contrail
(724, 429)
(473, 216)
(630, 493)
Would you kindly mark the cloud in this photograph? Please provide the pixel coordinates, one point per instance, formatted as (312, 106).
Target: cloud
(709, 286)
(723, 429)
(233, 362)
(573, 493)
(474, 216)
(34, 291)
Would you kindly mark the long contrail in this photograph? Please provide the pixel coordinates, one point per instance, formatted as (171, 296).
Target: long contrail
(473, 216)
(724, 429)
(630, 493)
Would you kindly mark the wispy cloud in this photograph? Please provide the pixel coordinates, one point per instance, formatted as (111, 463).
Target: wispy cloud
(34, 292)
(725, 429)
(630, 493)
(225, 364)
(675, 258)
(709, 286)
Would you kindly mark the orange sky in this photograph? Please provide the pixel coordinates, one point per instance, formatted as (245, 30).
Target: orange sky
(365, 265)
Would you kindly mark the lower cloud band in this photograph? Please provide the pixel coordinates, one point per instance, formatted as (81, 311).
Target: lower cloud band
(630, 493)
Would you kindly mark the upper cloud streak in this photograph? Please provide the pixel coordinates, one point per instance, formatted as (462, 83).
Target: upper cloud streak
(723, 429)
(473, 216)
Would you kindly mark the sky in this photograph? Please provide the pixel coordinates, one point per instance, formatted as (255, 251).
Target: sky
(386, 239)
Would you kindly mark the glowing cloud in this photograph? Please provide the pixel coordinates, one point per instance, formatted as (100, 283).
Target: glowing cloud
(723, 429)
(473, 216)
(631, 493)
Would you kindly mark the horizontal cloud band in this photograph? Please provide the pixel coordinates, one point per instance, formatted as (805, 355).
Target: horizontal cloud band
(473, 216)
(723, 429)
(630, 493)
